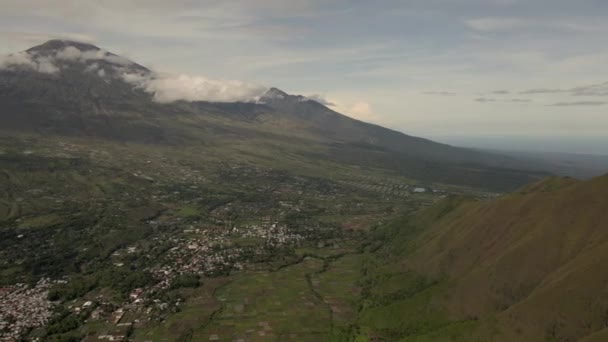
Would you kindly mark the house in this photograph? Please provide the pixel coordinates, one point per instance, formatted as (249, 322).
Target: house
(112, 337)
(136, 293)
(117, 316)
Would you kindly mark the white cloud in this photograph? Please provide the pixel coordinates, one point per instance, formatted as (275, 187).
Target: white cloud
(49, 64)
(25, 60)
(92, 68)
(169, 88)
(359, 110)
(553, 44)
(354, 105)
(71, 53)
(165, 87)
(46, 66)
(17, 59)
(321, 99)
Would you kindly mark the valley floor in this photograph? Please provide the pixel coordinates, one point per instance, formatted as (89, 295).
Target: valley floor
(152, 243)
(113, 241)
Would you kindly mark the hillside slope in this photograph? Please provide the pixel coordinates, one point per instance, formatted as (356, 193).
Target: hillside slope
(528, 266)
(78, 89)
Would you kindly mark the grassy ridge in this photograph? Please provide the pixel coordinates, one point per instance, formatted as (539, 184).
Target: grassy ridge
(526, 266)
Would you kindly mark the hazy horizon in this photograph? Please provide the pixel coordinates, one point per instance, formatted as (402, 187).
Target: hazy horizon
(597, 146)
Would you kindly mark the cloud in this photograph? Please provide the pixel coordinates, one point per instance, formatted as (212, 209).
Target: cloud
(92, 67)
(353, 107)
(330, 48)
(542, 91)
(50, 64)
(165, 87)
(168, 88)
(501, 92)
(579, 103)
(492, 100)
(71, 53)
(25, 60)
(600, 89)
(441, 93)
(46, 66)
(489, 24)
(321, 99)
(362, 111)
(17, 59)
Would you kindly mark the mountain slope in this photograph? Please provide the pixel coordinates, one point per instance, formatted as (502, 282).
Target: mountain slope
(319, 119)
(528, 266)
(72, 88)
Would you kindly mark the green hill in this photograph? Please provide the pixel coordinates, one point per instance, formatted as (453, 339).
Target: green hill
(527, 266)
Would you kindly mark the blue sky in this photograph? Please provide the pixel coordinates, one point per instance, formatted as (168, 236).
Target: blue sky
(445, 69)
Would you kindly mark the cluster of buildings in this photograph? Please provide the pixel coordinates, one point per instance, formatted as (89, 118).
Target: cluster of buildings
(393, 188)
(206, 252)
(274, 235)
(203, 250)
(210, 251)
(24, 307)
(201, 256)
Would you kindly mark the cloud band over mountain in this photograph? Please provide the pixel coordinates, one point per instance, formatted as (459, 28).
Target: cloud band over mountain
(164, 87)
(169, 88)
(25, 60)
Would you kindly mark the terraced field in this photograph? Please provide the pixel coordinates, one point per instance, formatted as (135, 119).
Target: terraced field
(277, 305)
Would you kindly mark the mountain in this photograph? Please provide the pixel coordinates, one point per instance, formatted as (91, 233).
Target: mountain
(73, 88)
(128, 214)
(78, 89)
(528, 266)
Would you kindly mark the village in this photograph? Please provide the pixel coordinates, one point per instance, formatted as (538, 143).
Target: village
(23, 307)
(167, 224)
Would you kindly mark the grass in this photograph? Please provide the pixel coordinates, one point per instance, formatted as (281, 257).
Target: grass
(277, 306)
(526, 266)
(405, 317)
(339, 287)
(194, 313)
(41, 221)
(188, 211)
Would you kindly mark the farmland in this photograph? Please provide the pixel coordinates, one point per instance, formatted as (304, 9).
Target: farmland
(143, 240)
